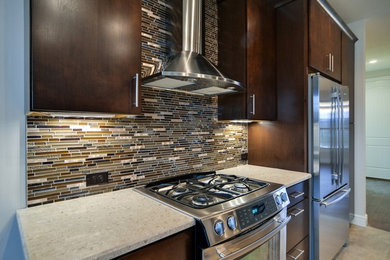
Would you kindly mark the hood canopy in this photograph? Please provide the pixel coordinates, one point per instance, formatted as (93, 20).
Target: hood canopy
(188, 70)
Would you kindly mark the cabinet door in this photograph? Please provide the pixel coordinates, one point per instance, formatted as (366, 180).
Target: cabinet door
(85, 55)
(178, 246)
(300, 251)
(232, 56)
(298, 227)
(246, 52)
(261, 60)
(324, 42)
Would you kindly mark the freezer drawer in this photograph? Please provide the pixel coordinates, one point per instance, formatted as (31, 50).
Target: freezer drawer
(330, 224)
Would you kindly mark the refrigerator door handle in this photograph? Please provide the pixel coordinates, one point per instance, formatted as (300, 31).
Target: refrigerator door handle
(334, 135)
(342, 136)
(338, 130)
(345, 193)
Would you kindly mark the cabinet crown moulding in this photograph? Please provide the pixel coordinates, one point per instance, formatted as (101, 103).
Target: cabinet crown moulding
(337, 19)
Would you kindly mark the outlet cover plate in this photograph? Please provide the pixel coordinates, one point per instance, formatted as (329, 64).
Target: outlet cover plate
(97, 178)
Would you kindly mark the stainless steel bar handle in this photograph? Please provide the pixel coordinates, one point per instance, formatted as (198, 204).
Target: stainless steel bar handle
(300, 252)
(136, 78)
(253, 104)
(330, 61)
(296, 212)
(334, 154)
(342, 134)
(327, 204)
(296, 194)
(339, 131)
(332, 132)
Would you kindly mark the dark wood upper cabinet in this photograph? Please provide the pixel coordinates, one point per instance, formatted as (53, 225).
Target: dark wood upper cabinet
(282, 143)
(86, 55)
(324, 42)
(305, 36)
(246, 52)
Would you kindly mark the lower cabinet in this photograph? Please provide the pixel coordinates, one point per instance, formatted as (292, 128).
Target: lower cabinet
(178, 246)
(298, 228)
(300, 251)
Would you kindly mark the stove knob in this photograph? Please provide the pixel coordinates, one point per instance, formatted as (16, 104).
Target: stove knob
(219, 228)
(231, 222)
(278, 200)
(284, 196)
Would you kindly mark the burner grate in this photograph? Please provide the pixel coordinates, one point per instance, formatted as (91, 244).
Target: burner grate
(203, 190)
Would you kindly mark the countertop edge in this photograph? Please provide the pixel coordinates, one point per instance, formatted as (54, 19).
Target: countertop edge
(22, 236)
(307, 177)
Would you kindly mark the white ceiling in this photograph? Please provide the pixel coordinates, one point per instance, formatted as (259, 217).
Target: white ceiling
(377, 15)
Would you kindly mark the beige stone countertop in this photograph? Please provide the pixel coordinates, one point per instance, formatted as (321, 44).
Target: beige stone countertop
(285, 177)
(97, 227)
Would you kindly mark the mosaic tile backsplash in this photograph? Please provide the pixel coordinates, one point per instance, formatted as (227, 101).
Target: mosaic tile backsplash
(177, 133)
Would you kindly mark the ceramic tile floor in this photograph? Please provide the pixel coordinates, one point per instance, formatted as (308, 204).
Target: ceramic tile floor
(366, 243)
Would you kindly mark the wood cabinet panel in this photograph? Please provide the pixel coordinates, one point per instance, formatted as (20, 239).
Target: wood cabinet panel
(246, 46)
(300, 251)
(298, 227)
(261, 60)
(85, 54)
(178, 246)
(324, 42)
(232, 56)
(282, 143)
(298, 192)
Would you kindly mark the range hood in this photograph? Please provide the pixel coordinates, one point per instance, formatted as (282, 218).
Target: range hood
(189, 70)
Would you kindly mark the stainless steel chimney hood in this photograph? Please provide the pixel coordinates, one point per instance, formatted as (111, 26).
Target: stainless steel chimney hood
(188, 70)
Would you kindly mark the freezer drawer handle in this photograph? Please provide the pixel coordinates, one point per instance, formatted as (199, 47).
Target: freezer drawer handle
(296, 194)
(296, 212)
(327, 204)
(300, 252)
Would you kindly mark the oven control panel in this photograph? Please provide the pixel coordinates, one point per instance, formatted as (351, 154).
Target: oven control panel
(236, 220)
(281, 198)
(256, 212)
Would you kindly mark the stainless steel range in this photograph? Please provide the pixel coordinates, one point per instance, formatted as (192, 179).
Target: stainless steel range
(236, 217)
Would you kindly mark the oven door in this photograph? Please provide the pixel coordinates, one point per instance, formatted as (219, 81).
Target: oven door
(268, 241)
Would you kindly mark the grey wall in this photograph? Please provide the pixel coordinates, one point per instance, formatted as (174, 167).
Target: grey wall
(13, 46)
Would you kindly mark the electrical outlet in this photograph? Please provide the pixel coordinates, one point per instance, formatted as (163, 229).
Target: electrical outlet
(244, 156)
(97, 178)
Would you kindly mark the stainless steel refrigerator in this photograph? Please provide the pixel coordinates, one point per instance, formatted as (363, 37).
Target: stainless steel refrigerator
(329, 165)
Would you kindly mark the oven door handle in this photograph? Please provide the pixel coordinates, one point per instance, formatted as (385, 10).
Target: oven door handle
(246, 243)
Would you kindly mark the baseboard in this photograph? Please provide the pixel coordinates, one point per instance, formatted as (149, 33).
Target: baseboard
(358, 219)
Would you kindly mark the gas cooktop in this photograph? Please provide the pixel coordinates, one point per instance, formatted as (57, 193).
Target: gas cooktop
(217, 201)
(203, 190)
